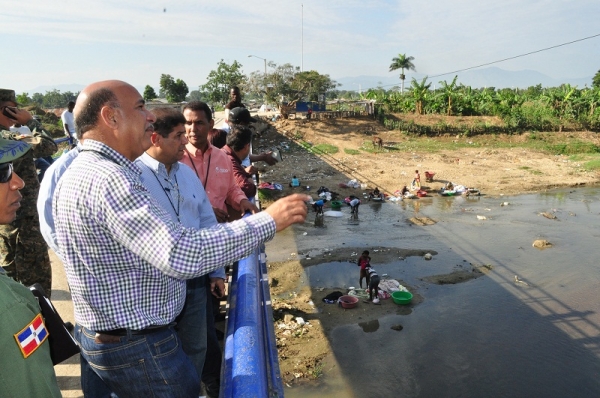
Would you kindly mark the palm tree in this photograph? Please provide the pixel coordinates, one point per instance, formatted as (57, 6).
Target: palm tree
(402, 62)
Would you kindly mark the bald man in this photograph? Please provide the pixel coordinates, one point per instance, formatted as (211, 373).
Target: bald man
(126, 260)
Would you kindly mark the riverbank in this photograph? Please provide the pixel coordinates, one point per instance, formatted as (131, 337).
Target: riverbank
(498, 165)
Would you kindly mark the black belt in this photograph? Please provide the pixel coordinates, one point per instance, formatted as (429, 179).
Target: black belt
(123, 332)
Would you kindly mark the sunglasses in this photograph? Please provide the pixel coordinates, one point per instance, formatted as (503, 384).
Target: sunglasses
(6, 172)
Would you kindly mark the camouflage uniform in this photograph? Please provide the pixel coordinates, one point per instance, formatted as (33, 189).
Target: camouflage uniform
(23, 251)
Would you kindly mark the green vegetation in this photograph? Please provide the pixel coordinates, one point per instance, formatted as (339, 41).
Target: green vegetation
(402, 62)
(149, 93)
(534, 109)
(325, 148)
(317, 371)
(171, 89)
(219, 81)
(527, 168)
(351, 151)
(592, 164)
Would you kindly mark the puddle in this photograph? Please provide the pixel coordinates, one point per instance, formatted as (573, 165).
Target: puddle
(529, 327)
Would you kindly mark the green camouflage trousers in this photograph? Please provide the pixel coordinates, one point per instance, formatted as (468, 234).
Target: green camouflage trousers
(24, 254)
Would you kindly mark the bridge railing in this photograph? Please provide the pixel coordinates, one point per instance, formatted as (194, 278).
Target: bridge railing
(251, 365)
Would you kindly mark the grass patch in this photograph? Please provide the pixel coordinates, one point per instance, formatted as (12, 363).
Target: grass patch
(317, 371)
(532, 171)
(325, 148)
(306, 145)
(351, 151)
(592, 165)
(264, 195)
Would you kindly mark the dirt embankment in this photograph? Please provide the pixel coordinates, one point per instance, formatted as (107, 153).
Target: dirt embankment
(483, 164)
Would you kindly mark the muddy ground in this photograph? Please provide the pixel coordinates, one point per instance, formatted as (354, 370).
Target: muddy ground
(305, 354)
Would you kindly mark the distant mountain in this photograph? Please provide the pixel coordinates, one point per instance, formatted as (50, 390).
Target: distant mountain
(74, 88)
(477, 78)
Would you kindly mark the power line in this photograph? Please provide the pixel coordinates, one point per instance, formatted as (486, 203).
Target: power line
(517, 56)
(506, 59)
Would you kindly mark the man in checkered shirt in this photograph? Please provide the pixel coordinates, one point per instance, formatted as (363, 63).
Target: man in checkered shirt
(126, 261)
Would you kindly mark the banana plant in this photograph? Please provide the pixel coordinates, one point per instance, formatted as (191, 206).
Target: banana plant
(419, 93)
(449, 93)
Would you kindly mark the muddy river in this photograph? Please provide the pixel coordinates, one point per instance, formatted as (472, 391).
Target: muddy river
(528, 328)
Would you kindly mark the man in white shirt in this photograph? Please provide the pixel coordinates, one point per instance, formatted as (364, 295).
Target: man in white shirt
(20, 129)
(69, 123)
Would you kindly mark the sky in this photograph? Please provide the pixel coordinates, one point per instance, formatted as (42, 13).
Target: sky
(49, 42)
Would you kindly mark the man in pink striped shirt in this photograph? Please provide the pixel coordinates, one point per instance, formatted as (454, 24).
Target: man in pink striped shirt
(212, 166)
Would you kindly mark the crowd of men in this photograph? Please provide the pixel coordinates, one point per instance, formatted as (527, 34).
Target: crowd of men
(144, 213)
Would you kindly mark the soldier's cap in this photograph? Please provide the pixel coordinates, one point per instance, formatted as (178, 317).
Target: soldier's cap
(12, 149)
(240, 115)
(7, 95)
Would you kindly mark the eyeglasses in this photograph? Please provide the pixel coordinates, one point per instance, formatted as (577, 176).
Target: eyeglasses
(6, 172)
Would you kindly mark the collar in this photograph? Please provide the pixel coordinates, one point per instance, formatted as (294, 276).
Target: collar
(227, 149)
(107, 152)
(197, 152)
(156, 166)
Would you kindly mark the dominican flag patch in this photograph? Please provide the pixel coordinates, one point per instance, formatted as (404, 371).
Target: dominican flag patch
(32, 336)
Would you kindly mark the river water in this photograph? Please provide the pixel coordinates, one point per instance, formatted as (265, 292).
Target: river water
(488, 337)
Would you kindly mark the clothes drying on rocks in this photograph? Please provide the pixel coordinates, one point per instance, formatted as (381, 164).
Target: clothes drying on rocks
(332, 297)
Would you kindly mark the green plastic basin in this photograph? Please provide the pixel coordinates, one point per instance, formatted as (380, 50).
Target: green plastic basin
(402, 298)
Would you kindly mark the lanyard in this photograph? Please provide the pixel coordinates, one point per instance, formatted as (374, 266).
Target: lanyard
(196, 171)
(167, 192)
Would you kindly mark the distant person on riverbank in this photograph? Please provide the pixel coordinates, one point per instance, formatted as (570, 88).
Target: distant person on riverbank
(295, 182)
(373, 284)
(318, 206)
(235, 102)
(416, 182)
(363, 262)
(68, 121)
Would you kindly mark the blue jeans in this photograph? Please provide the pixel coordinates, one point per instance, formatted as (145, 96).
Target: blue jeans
(150, 365)
(211, 375)
(91, 384)
(191, 323)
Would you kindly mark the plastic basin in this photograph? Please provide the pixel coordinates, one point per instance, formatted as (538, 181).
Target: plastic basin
(336, 204)
(402, 298)
(348, 301)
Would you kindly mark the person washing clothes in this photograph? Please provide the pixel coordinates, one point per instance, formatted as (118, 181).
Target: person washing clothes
(364, 261)
(373, 284)
(295, 182)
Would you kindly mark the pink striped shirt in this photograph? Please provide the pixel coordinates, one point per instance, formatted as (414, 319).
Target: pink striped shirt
(215, 166)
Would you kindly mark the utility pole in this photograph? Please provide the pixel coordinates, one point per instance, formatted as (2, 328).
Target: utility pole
(302, 55)
(265, 77)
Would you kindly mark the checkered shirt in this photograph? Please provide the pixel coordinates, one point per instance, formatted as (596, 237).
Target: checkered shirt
(125, 259)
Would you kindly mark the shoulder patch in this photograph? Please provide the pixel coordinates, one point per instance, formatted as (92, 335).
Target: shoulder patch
(32, 336)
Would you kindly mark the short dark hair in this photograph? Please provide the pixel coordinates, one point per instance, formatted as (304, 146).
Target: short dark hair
(217, 137)
(366, 252)
(166, 120)
(198, 106)
(239, 137)
(71, 103)
(235, 88)
(87, 117)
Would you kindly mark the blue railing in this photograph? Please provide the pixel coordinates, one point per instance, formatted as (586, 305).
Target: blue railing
(251, 365)
(62, 139)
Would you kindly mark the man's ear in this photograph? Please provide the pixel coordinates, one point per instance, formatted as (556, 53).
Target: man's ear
(108, 116)
(155, 139)
(211, 123)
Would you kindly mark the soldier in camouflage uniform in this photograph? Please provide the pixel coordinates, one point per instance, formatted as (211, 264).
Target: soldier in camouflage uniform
(23, 251)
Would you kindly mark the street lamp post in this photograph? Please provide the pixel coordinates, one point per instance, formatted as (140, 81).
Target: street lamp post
(265, 61)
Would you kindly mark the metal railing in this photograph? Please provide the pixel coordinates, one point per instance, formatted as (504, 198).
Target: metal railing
(251, 365)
